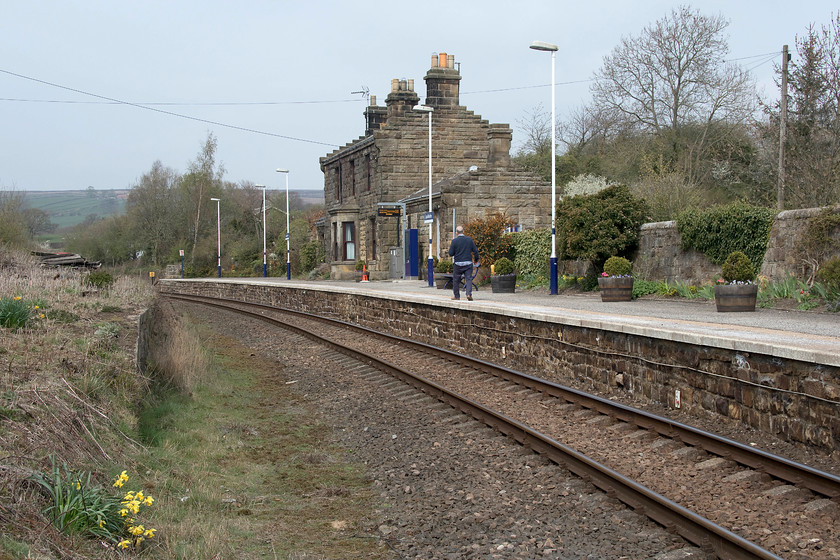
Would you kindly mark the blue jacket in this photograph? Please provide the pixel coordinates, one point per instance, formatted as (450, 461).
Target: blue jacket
(463, 249)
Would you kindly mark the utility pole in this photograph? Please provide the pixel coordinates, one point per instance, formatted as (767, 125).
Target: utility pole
(780, 195)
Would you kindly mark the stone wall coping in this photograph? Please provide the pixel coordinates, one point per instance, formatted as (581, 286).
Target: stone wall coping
(809, 348)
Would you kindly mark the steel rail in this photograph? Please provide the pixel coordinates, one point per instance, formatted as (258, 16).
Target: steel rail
(803, 476)
(691, 526)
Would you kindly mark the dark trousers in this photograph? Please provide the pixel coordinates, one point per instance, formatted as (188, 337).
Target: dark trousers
(466, 272)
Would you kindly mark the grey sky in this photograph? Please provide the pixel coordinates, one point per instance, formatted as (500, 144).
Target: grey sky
(284, 72)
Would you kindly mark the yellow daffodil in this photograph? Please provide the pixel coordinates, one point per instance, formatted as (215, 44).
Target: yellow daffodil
(17, 298)
(148, 501)
(101, 522)
(124, 543)
(36, 307)
(138, 530)
(123, 512)
(78, 485)
(149, 533)
(139, 496)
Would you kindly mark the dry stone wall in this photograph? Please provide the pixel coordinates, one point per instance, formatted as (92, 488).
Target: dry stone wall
(794, 399)
(661, 257)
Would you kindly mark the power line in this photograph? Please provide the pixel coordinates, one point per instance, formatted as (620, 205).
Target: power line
(177, 103)
(170, 113)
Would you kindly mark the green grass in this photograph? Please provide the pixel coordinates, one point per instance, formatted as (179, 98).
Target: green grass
(240, 469)
(70, 208)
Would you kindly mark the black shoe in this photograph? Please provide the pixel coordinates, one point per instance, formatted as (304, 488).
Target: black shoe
(469, 298)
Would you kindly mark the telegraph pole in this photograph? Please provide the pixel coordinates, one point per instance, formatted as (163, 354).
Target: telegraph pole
(780, 195)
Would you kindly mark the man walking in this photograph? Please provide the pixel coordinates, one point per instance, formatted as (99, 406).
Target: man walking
(463, 252)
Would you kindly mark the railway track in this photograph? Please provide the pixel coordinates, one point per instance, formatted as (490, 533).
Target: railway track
(730, 499)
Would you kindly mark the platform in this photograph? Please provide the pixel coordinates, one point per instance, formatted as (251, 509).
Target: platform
(810, 336)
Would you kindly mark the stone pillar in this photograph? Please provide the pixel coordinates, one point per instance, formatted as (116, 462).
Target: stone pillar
(500, 137)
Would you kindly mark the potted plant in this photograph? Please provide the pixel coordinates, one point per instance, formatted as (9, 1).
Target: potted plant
(616, 282)
(736, 289)
(442, 268)
(503, 278)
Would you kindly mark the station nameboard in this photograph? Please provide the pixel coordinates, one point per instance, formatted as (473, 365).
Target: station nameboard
(388, 211)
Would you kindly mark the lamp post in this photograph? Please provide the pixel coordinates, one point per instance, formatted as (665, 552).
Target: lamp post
(219, 233)
(265, 227)
(541, 46)
(431, 268)
(288, 253)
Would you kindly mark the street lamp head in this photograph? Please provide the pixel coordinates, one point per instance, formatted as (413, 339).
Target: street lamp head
(216, 199)
(260, 186)
(423, 108)
(543, 46)
(282, 170)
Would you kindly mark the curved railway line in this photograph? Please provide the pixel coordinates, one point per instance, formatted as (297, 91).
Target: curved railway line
(727, 498)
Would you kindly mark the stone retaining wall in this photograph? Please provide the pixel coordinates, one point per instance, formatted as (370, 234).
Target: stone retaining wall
(660, 256)
(796, 400)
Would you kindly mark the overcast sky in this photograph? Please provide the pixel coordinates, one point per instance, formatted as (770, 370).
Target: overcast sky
(93, 92)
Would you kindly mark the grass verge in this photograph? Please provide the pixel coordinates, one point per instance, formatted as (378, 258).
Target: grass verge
(242, 468)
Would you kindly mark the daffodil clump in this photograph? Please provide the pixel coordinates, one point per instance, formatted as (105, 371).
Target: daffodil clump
(78, 506)
(131, 503)
(15, 313)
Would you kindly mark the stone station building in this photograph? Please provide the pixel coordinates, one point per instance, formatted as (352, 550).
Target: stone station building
(368, 182)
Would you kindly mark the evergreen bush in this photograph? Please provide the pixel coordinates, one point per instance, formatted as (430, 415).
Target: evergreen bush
(99, 279)
(829, 274)
(311, 255)
(618, 266)
(490, 237)
(738, 268)
(444, 267)
(532, 249)
(595, 227)
(503, 266)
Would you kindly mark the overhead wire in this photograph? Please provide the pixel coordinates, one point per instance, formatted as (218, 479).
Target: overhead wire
(152, 105)
(170, 113)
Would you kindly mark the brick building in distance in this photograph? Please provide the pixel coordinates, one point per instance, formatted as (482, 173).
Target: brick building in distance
(369, 181)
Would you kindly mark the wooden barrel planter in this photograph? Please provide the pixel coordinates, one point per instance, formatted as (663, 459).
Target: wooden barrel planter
(503, 283)
(616, 288)
(735, 297)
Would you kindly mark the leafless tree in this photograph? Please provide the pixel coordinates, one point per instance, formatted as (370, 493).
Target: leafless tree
(673, 74)
(536, 126)
(671, 82)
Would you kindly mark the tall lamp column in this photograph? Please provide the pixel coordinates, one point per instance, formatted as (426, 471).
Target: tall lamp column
(265, 227)
(219, 233)
(288, 234)
(541, 46)
(431, 266)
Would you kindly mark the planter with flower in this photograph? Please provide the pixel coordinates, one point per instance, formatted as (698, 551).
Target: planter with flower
(616, 282)
(503, 277)
(736, 289)
(443, 273)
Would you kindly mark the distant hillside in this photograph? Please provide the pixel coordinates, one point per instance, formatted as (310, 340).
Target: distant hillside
(70, 208)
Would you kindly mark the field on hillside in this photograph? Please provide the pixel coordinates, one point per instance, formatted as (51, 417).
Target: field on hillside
(70, 208)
